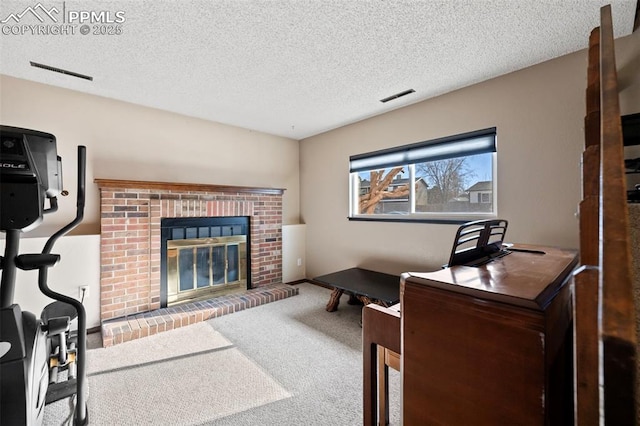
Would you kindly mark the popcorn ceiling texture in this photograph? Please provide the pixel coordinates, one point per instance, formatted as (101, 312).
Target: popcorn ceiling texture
(297, 68)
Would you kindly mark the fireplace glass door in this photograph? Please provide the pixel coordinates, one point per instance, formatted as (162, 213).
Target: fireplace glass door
(201, 267)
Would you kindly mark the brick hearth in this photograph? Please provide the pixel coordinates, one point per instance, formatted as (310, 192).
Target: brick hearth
(130, 235)
(133, 327)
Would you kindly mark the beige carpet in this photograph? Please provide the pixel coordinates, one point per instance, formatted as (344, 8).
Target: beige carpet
(187, 376)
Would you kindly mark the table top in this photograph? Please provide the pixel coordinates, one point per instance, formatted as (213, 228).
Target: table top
(375, 285)
(529, 277)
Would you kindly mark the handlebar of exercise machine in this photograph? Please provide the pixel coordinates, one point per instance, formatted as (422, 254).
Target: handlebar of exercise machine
(81, 417)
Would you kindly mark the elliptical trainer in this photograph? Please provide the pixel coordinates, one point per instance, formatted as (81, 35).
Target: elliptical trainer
(30, 174)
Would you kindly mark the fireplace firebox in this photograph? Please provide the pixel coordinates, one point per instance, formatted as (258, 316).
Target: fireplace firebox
(203, 257)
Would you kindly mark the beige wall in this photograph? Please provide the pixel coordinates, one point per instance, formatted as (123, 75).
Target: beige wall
(293, 253)
(126, 141)
(79, 266)
(538, 113)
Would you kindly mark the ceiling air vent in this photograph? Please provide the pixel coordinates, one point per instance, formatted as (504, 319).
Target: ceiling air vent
(397, 95)
(61, 71)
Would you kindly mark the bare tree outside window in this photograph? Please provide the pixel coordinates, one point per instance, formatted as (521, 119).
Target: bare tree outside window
(380, 188)
(447, 179)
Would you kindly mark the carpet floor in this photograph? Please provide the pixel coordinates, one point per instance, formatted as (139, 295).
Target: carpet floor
(315, 354)
(283, 363)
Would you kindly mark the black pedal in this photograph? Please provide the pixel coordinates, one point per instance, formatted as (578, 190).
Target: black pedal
(28, 262)
(58, 391)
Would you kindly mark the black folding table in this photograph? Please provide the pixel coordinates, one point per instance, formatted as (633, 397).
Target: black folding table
(362, 284)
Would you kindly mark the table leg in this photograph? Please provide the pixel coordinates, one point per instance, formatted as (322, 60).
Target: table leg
(366, 300)
(380, 327)
(334, 300)
(383, 388)
(370, 370)
(354, 300)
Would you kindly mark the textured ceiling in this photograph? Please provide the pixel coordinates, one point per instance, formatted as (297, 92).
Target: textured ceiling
(300, 67)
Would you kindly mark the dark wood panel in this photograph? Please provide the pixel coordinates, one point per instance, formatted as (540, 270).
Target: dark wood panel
(586, 326)
(593, 85)
(618, 314)
(590, 230)
(511, 279)
(459, 363)
(559, 358)
(380, 326)
(586, 348)
(470, 357)
(605, 335)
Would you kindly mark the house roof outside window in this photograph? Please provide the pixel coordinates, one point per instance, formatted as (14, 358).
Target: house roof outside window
(483, 186)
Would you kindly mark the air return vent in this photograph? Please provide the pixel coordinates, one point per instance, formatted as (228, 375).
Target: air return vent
(61, 71)
(397, 95)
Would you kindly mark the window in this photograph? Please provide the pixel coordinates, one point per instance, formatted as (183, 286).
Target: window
(450, 179)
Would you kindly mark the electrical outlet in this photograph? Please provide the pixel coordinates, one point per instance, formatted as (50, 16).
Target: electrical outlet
(83, 290)
(299, 261)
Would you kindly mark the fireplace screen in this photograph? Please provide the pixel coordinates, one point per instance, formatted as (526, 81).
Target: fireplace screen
(200, 267)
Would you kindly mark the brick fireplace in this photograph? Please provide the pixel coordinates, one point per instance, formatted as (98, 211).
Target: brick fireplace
(131, 213)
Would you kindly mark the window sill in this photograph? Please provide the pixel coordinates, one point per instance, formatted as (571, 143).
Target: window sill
(422, 218)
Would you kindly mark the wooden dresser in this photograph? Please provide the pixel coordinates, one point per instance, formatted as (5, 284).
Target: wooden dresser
(489, 344)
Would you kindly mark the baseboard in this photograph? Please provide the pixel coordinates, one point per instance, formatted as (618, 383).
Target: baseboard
(318, 283)
(304, 280)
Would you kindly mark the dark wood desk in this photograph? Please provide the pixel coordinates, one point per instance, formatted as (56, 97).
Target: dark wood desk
(365, 285)
(480, 345)
(489, 345)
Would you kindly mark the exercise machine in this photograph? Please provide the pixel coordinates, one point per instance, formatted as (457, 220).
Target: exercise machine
(41, 360)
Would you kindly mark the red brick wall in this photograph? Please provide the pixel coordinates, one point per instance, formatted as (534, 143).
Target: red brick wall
(130, 236)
